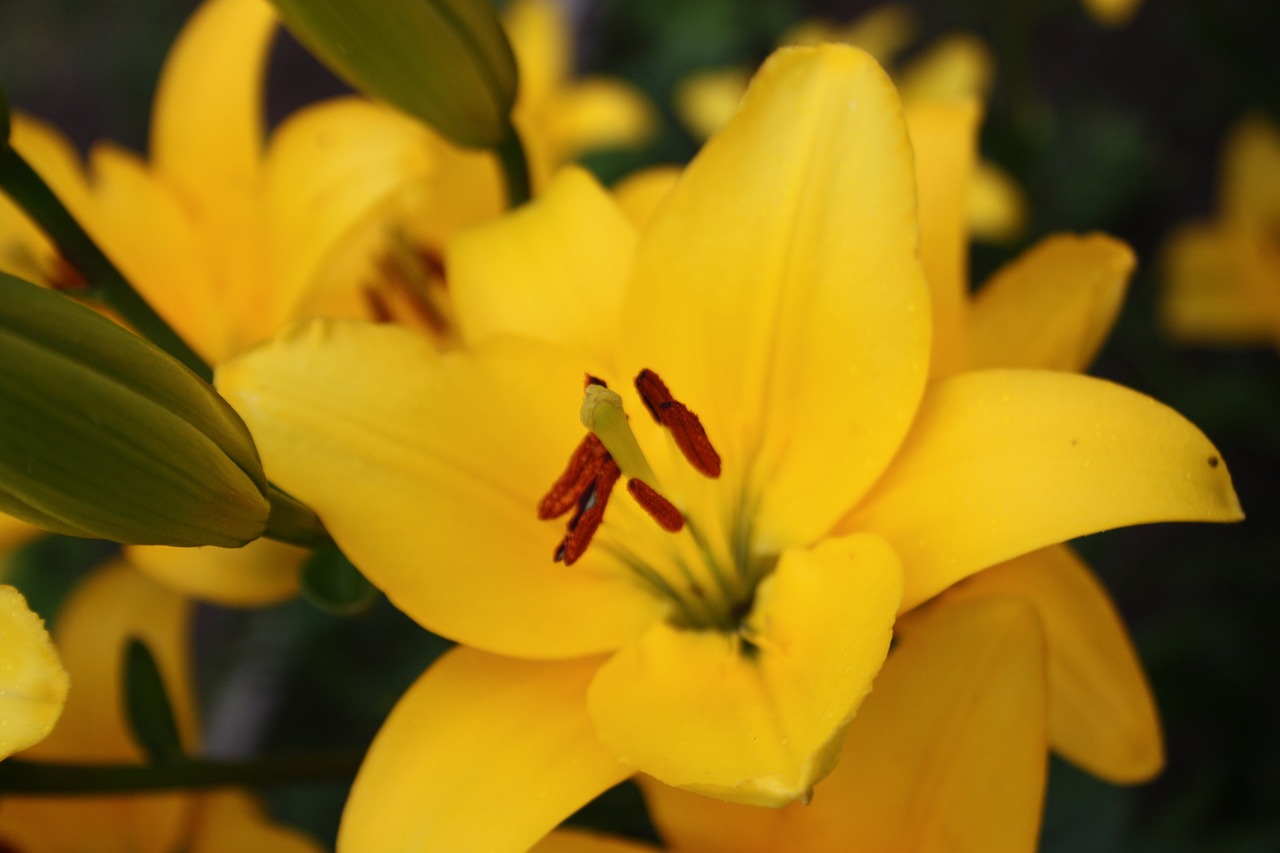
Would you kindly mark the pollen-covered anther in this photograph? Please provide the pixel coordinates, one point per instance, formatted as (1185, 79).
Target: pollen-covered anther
(659, 508)
(584, 466)
(685, 427)
(591, 506)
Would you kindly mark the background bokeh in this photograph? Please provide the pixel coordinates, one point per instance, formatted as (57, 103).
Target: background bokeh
(1114, 130)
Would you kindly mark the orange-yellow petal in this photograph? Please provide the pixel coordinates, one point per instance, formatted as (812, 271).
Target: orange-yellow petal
(482, 753)
(13, 532)
(1002, 462)
(554, 270)
(947, 753)
(1101, 712)
(1250, 188)
(1053, 307)
(231, 820)
(756, 717)
(639, 194)
(785, 305)
(997, 208)
(957, 67)
(540, 38)
(596, 113)
(707, 100)
(428, 471)
(1220, 286)
(582, 841)
(33, 684)
(262, 572)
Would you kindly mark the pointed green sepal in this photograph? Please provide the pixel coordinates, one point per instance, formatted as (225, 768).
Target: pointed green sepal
(334, 585)
(446, 62)
(151, 718)
(104, 435)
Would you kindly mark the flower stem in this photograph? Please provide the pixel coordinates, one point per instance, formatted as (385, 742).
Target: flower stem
(25, 186)
(515, 167)
(38, 778)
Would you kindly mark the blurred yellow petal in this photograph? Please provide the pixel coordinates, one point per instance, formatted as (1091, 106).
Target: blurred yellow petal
(944, 137)
(639, 194)
(756, 717)
(428, 471)
(554, 270)
(229, 821)
(596, 113)
(1101, 712)
(882, 32)
(262, 572)
(1112, 13)
(946, 754)
(957, 67)
(1220, 288)
(790, 298)
(482, 753)
(997, 208)
(707, 100)
(1002, 462)
(1053, 307)
(582, 841)
(539, 34)
(13, 532)
(1250, 190)
(33, 684)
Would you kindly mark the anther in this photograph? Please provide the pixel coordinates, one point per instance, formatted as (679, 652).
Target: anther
(583, 468)
(586, 521)
(66, 277)
(686, 430)
(659, 508)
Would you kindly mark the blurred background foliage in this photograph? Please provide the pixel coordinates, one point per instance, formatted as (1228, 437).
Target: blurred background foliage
(1114, 130)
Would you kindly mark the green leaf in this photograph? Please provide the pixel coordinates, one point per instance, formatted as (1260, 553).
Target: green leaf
(446, 62)
(151, 718)
(104, 435)
(334, 585)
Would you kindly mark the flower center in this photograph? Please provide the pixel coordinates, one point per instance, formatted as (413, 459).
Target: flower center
(679, 564)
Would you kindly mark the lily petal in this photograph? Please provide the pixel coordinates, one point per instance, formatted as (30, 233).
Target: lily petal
(261, 573)
(1002, 462)
(1221, 289)
(13, 532)
(1251, 172)
(997, 206)
(756, 717)
(482, 753)
(1101, 713)
(34, 686)
(554, 270)
(596, 113)
(232, 820)
(428, 470)
(944, 136)
(1052, 307)
(640, 193)
(581, 841)
(947, 753)
(1112, 13)
(778, 285)
(957, 67)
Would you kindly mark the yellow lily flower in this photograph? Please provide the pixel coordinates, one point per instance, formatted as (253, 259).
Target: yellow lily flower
(955, 67)
(787, 308)
(1112, 13)
(111, 606)
(1222, 277)
(33, 684)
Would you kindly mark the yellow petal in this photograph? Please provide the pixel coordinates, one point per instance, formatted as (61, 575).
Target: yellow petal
(206, 132)
(1101, 712)
(1052, 307)
(997, 209)
(110, 606)
(1002, 462)
(639, 194)
(707, 100)
(231, 820)
(596, 113)
(539, 34)
(947, 753)
(482, 753)
(883, 32)
(1112, 13)
(756, 717)
(13, 532)
(428, 470)
(262, 572)
(1220, 287)
(944, 137)
(554, 270)
(785, 305)
(581, 841)
(957, 67)
(1251, 172)
(33, 684)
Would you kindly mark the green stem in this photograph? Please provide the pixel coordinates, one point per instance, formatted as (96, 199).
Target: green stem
(294, 522)
(515, 168)
(25, 186)
(19, 778)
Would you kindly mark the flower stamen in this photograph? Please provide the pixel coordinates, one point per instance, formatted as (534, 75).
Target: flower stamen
(586, 521)
(685, 427)
(659, 508)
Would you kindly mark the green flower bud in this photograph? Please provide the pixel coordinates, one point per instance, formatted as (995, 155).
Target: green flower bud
(446, 62)
(104, 435)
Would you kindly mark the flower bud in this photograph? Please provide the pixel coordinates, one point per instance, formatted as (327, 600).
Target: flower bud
(104, 435)
(446, 62)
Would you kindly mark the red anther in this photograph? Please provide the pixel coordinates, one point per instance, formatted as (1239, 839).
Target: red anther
(594, 380)
(65, 277)
(691, 438)
(653, 392)
(379, 310)
(662, 510)
(583, 468)
(586, 521)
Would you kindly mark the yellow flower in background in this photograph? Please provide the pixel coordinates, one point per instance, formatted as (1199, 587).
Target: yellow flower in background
(1222, 277)
(954, 67)
(33, 684)
(104, 612)
(1112, 13)
(795, 482)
